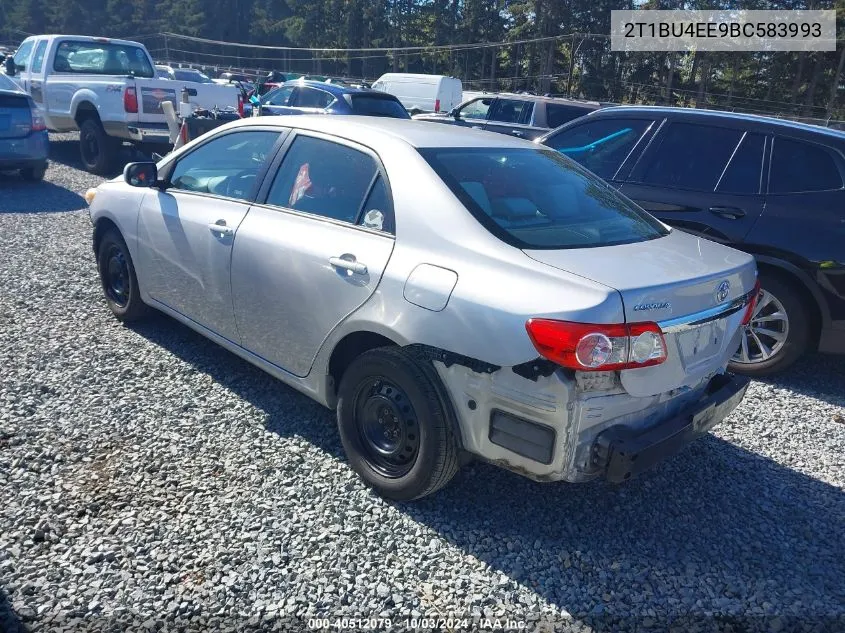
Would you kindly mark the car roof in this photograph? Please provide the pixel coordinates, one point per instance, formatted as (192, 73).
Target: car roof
(9, 87)
(335, 89)
(719, 114)
(368, 130)
(562, 100)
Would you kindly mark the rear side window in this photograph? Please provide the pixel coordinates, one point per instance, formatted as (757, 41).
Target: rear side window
(312, 98)
(511, 111)
(557, 114)
(742, 175)
(324, 178)
(378, 106)
(38, 58)
(535, 198)
(798, 167)
(691, 157)
(601, 145)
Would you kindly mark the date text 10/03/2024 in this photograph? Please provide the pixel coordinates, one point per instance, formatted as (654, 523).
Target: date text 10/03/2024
(412, 623)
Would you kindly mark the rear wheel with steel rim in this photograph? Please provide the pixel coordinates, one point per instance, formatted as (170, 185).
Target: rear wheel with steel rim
(117, 276)
(96, 148)
(779, 331)
(396, 424)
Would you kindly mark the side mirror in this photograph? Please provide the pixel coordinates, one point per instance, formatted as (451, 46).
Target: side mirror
(9, 63)
(455, 114)
(141, 174)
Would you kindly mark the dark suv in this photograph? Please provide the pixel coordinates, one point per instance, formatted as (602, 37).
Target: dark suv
(772, 188)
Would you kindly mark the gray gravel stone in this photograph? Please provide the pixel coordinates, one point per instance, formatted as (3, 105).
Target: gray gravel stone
(149, 479)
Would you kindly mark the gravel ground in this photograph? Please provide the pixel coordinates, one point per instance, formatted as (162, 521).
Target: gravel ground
(150, 479)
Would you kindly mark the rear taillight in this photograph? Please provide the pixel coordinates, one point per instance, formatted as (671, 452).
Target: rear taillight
(130, 100)
(597, 347)
(437, 105)
(752, 304)
(241, 105)
(38, 124)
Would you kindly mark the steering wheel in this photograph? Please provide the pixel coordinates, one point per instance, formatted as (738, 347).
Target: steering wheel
(240, 185)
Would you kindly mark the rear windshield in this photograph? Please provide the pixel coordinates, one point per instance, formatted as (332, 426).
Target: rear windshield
(538, 199)
(102, 58)
(374, 105)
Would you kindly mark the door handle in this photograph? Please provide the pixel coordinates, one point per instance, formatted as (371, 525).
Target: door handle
(348, 262)
(220, 227)
(731, 213)
(517, 133)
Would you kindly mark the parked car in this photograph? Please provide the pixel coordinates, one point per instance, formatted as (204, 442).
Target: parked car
(313, 97)
(520, 115)
(105, 88)
(164, 72)
(422, 93)
(772, 188)
(192, 75)
(24, 145)
(447, 291)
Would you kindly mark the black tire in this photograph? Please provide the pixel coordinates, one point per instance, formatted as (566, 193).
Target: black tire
(34, 174)
(799, 332)
(96, 148)
(392, 379)
(122, 295)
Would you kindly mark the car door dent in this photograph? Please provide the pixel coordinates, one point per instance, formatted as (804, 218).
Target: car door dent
(429, 286)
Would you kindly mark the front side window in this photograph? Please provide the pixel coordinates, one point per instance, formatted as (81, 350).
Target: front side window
(802, 167)
(226, 166)
(477, 109)
(102, 58)
(602, 145)
(511, 111)
(38, 58)
(691, 156)
(324, 178)
(312, 98)
(535, 198)
(22, 55)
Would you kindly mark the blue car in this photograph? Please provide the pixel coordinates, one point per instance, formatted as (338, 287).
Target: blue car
(24, 144)
(317, 97)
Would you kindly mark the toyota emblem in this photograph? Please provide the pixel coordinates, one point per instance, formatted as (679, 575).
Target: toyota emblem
(723, 291)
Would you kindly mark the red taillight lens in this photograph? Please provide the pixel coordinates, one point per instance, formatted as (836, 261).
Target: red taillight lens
(241, 106)
(38, 124)
(130, 100)
(752, 304)
(598, 347)
(437, 105)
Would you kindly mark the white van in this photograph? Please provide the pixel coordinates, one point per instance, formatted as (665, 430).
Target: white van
(425, 93)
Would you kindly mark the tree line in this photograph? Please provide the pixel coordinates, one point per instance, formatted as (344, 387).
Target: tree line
(564, 49)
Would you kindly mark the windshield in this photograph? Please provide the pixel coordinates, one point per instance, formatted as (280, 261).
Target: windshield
(376, 105)
(102, 58)
(538, 199)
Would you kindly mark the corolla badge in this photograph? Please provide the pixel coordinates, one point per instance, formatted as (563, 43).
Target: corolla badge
(723, 291)
(660, 305)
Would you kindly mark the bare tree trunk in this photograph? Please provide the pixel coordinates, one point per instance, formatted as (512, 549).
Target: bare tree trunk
(670, 79)
(811, 90)
(494, 52)
(796, 85)
(835, 86)
(702, 83)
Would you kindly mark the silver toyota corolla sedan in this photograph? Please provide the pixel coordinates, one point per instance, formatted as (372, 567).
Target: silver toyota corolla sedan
(451, 292)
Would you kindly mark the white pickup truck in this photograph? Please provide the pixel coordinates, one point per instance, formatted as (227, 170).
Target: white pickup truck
(108, 90)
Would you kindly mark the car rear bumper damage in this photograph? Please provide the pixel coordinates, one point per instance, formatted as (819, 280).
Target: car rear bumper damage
(621, 452)
(553, 426)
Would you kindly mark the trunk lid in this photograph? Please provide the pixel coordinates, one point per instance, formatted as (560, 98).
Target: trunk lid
(15, 115)
(667, 280)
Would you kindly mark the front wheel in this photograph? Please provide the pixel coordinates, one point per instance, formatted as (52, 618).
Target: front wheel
(117, 275)
(779, 332)
(396, 424)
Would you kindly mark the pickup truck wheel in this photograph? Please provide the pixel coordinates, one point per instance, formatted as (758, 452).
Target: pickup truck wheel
(96, 148)
(779, 332)
(34, 174)
(395, 425)
(117, 275)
